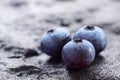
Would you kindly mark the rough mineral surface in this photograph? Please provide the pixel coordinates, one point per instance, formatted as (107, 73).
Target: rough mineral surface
(23, 22)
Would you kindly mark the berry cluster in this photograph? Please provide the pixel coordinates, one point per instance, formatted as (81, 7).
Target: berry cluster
(78, 52)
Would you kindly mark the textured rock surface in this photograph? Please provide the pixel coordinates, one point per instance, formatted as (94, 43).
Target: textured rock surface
(23, 22)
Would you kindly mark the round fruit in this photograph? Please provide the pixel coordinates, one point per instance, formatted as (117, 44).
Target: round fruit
(53, 41)
(93, 34)
(78, 53)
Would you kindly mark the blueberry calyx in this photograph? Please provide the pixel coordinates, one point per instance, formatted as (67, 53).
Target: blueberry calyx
(51, 30)
(78, 40)
(90, 27)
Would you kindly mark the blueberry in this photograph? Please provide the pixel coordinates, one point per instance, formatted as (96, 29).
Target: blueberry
(95, 35)
(78, 53)
(53, 41)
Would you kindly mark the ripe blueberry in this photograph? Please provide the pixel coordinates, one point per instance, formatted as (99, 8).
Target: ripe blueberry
(78, 53)
(93, 34)
(53, 41)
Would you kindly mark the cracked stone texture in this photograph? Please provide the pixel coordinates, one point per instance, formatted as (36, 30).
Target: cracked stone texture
(23, 22)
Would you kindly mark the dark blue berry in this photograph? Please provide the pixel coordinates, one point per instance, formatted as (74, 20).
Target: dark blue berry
(53, 41)
(93, 34)
(78, 53)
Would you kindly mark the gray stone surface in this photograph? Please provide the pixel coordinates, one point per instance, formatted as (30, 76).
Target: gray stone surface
(23, 22)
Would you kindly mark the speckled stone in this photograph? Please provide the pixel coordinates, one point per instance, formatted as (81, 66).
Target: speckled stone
(23, 22)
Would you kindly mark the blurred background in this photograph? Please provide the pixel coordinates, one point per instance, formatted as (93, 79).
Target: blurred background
(23, 22)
